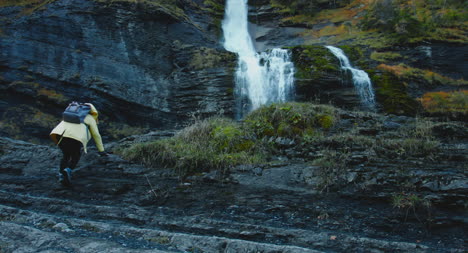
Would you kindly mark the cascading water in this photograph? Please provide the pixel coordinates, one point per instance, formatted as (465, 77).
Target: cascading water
(260, 78)
(361, 80)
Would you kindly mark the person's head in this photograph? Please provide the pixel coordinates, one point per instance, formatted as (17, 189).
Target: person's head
(94, 112)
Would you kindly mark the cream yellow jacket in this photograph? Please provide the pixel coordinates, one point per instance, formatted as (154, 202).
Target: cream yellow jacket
(79, 132)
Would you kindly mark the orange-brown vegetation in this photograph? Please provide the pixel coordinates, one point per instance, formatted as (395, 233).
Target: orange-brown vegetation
(52, 95)
(406, 72)
(445, 102)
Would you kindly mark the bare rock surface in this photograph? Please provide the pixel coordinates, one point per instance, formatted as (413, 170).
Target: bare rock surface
(117, 206)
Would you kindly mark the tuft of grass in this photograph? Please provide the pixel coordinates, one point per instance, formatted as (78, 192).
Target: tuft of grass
(409, 201)
(385, 56)
(407, 147)
(291, 120)
(211, 144)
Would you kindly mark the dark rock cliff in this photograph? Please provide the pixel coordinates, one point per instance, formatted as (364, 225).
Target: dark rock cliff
(142, 64)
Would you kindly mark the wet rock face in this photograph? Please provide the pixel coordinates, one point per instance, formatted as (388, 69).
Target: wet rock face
(128, 59)
(319, 77)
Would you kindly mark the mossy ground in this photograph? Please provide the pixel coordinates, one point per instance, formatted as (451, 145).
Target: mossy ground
(312, 62)
(392, 95)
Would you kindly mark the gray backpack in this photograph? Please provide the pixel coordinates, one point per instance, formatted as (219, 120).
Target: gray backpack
(76, 112)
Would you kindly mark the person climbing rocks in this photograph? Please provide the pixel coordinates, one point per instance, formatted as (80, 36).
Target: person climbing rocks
(70, 135)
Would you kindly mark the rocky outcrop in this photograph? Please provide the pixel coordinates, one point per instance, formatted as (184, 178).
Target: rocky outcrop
(319, 77)
(142, 64)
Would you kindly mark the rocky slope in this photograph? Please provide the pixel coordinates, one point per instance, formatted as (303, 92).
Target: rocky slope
(382, 200)
(143, 64)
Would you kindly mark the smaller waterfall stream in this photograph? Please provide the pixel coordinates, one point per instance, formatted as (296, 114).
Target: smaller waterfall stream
(361, 80)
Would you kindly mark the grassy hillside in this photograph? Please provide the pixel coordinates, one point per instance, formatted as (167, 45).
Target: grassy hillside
(286, 129)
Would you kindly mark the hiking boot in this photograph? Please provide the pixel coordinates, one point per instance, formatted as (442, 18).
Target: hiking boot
(65, 176)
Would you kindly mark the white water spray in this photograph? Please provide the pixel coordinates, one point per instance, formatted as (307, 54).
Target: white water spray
(361, 80)
(260, 78)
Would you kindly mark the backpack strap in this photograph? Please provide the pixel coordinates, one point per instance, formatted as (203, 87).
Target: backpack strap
(61, 137)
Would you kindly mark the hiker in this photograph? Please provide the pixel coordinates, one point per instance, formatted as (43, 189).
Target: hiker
(70, 136)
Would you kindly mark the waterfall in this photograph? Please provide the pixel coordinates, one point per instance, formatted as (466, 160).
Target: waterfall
(361, 80)
(260, 78)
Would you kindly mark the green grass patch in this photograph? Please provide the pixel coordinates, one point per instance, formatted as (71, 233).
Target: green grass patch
(385, 56)
(211, 144)
(291, 120)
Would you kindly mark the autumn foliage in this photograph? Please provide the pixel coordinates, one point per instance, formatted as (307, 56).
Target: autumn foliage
(443, 102)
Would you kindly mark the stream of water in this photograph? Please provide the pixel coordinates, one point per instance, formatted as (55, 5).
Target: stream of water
(261, 78)
(361, 80)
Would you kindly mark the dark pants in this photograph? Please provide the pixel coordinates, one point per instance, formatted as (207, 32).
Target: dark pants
(71, 150)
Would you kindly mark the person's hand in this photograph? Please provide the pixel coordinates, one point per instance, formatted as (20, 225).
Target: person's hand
(103, 153)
